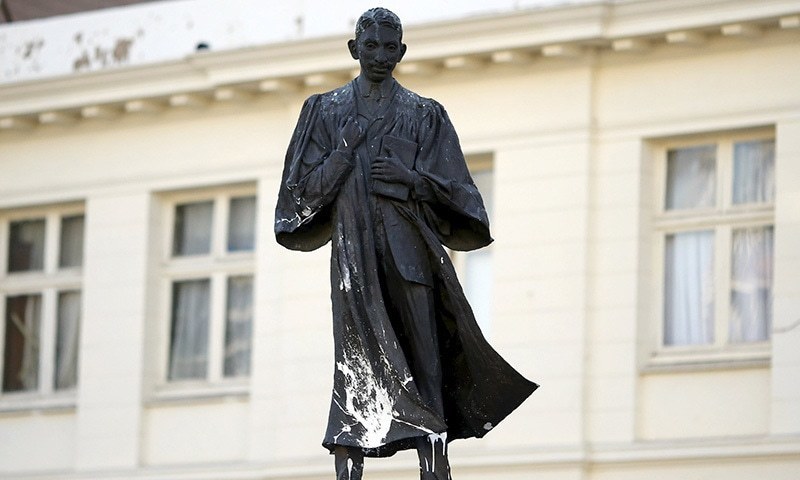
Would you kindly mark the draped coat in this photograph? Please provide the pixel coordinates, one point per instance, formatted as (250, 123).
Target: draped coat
(326, 197)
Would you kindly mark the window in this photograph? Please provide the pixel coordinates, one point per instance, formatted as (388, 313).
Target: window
(474, 268)
(715, 228)
(41, 255)
(209, 265)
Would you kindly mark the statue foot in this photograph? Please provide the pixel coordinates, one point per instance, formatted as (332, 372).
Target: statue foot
(349, 463)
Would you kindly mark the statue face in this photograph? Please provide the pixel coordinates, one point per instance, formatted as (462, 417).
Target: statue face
(378, 49)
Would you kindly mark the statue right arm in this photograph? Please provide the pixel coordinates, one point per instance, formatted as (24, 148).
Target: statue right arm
(321, 184)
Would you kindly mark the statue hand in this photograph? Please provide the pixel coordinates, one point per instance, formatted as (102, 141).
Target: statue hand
(350, 136)
(390, 169)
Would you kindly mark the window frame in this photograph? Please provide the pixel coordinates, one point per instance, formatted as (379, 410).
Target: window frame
(49, 283)
(722, 219)
(216, 266)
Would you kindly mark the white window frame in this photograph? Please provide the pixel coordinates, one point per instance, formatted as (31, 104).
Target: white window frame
(722, 219)
(48, 283)
(217, 266)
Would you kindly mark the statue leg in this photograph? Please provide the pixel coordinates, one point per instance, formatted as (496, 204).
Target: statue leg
(349, 463)
(433, 462)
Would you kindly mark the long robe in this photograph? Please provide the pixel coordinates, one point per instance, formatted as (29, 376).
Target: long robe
(324, 196)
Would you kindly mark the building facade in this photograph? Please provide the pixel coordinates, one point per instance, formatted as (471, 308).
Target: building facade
(641, 160)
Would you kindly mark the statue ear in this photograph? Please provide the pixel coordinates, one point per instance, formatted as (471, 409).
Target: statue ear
(402, 51)
(353, 47)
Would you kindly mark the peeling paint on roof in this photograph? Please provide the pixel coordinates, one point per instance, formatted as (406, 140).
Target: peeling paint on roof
(163, 31)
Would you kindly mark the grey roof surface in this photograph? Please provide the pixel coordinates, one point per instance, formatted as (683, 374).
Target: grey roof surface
(20, 10)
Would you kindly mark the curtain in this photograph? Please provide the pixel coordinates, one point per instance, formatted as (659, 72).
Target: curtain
(192, 235)
(68, 332)
(190, 326)
(21, 353)
(689, 288)
(71, 248)
(242, 224)
(238, 326)
(691, 177)
(751, 285)
(754, 172)
(26, 248)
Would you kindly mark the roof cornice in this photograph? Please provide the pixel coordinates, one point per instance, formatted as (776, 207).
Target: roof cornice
(565, 31)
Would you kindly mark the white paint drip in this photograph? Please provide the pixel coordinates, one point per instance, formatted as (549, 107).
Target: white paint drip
(433, 438)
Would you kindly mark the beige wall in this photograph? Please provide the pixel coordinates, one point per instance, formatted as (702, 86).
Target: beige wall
(572, 142)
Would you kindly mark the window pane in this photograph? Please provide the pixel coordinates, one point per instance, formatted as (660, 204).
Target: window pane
(192, 228)
(69, 313)
(242, 224)
(21, 352)
(238, 326)
(689, 288)
(751, 285)
(478, 274)
(71, 249)
(189, 337)
(754, 172)
(691, 177)
(478, 285)
(26, 246)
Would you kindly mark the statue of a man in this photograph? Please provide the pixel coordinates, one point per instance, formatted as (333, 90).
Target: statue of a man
(378, 171)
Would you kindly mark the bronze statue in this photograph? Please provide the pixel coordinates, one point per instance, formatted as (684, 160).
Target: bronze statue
(378, 170)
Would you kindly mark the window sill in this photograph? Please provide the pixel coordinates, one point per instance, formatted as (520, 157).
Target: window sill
(36, 402)
(198, 392)
(694, 360)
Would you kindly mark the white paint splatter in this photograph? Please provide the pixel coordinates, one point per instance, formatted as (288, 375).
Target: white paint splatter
(344, 269)
(374, 412)
(488, 426)
(288, 220)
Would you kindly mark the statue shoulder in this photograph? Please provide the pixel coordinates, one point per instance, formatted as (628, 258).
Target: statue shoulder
(423, 105)
(336, 97)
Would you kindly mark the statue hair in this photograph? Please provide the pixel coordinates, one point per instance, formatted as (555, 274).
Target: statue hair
(378, 16)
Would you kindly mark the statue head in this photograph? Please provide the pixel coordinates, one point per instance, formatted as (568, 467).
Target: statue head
(378, 45)
(379, 16)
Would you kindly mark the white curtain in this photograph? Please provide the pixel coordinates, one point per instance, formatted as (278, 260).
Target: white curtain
(238, 326)
(751, 285)
(71, 251)
(689, 288)
(190, 325)
(754, 172)
(192, 234)
(242, 224)
(21, 355)
(691, 177)
(69, 312)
